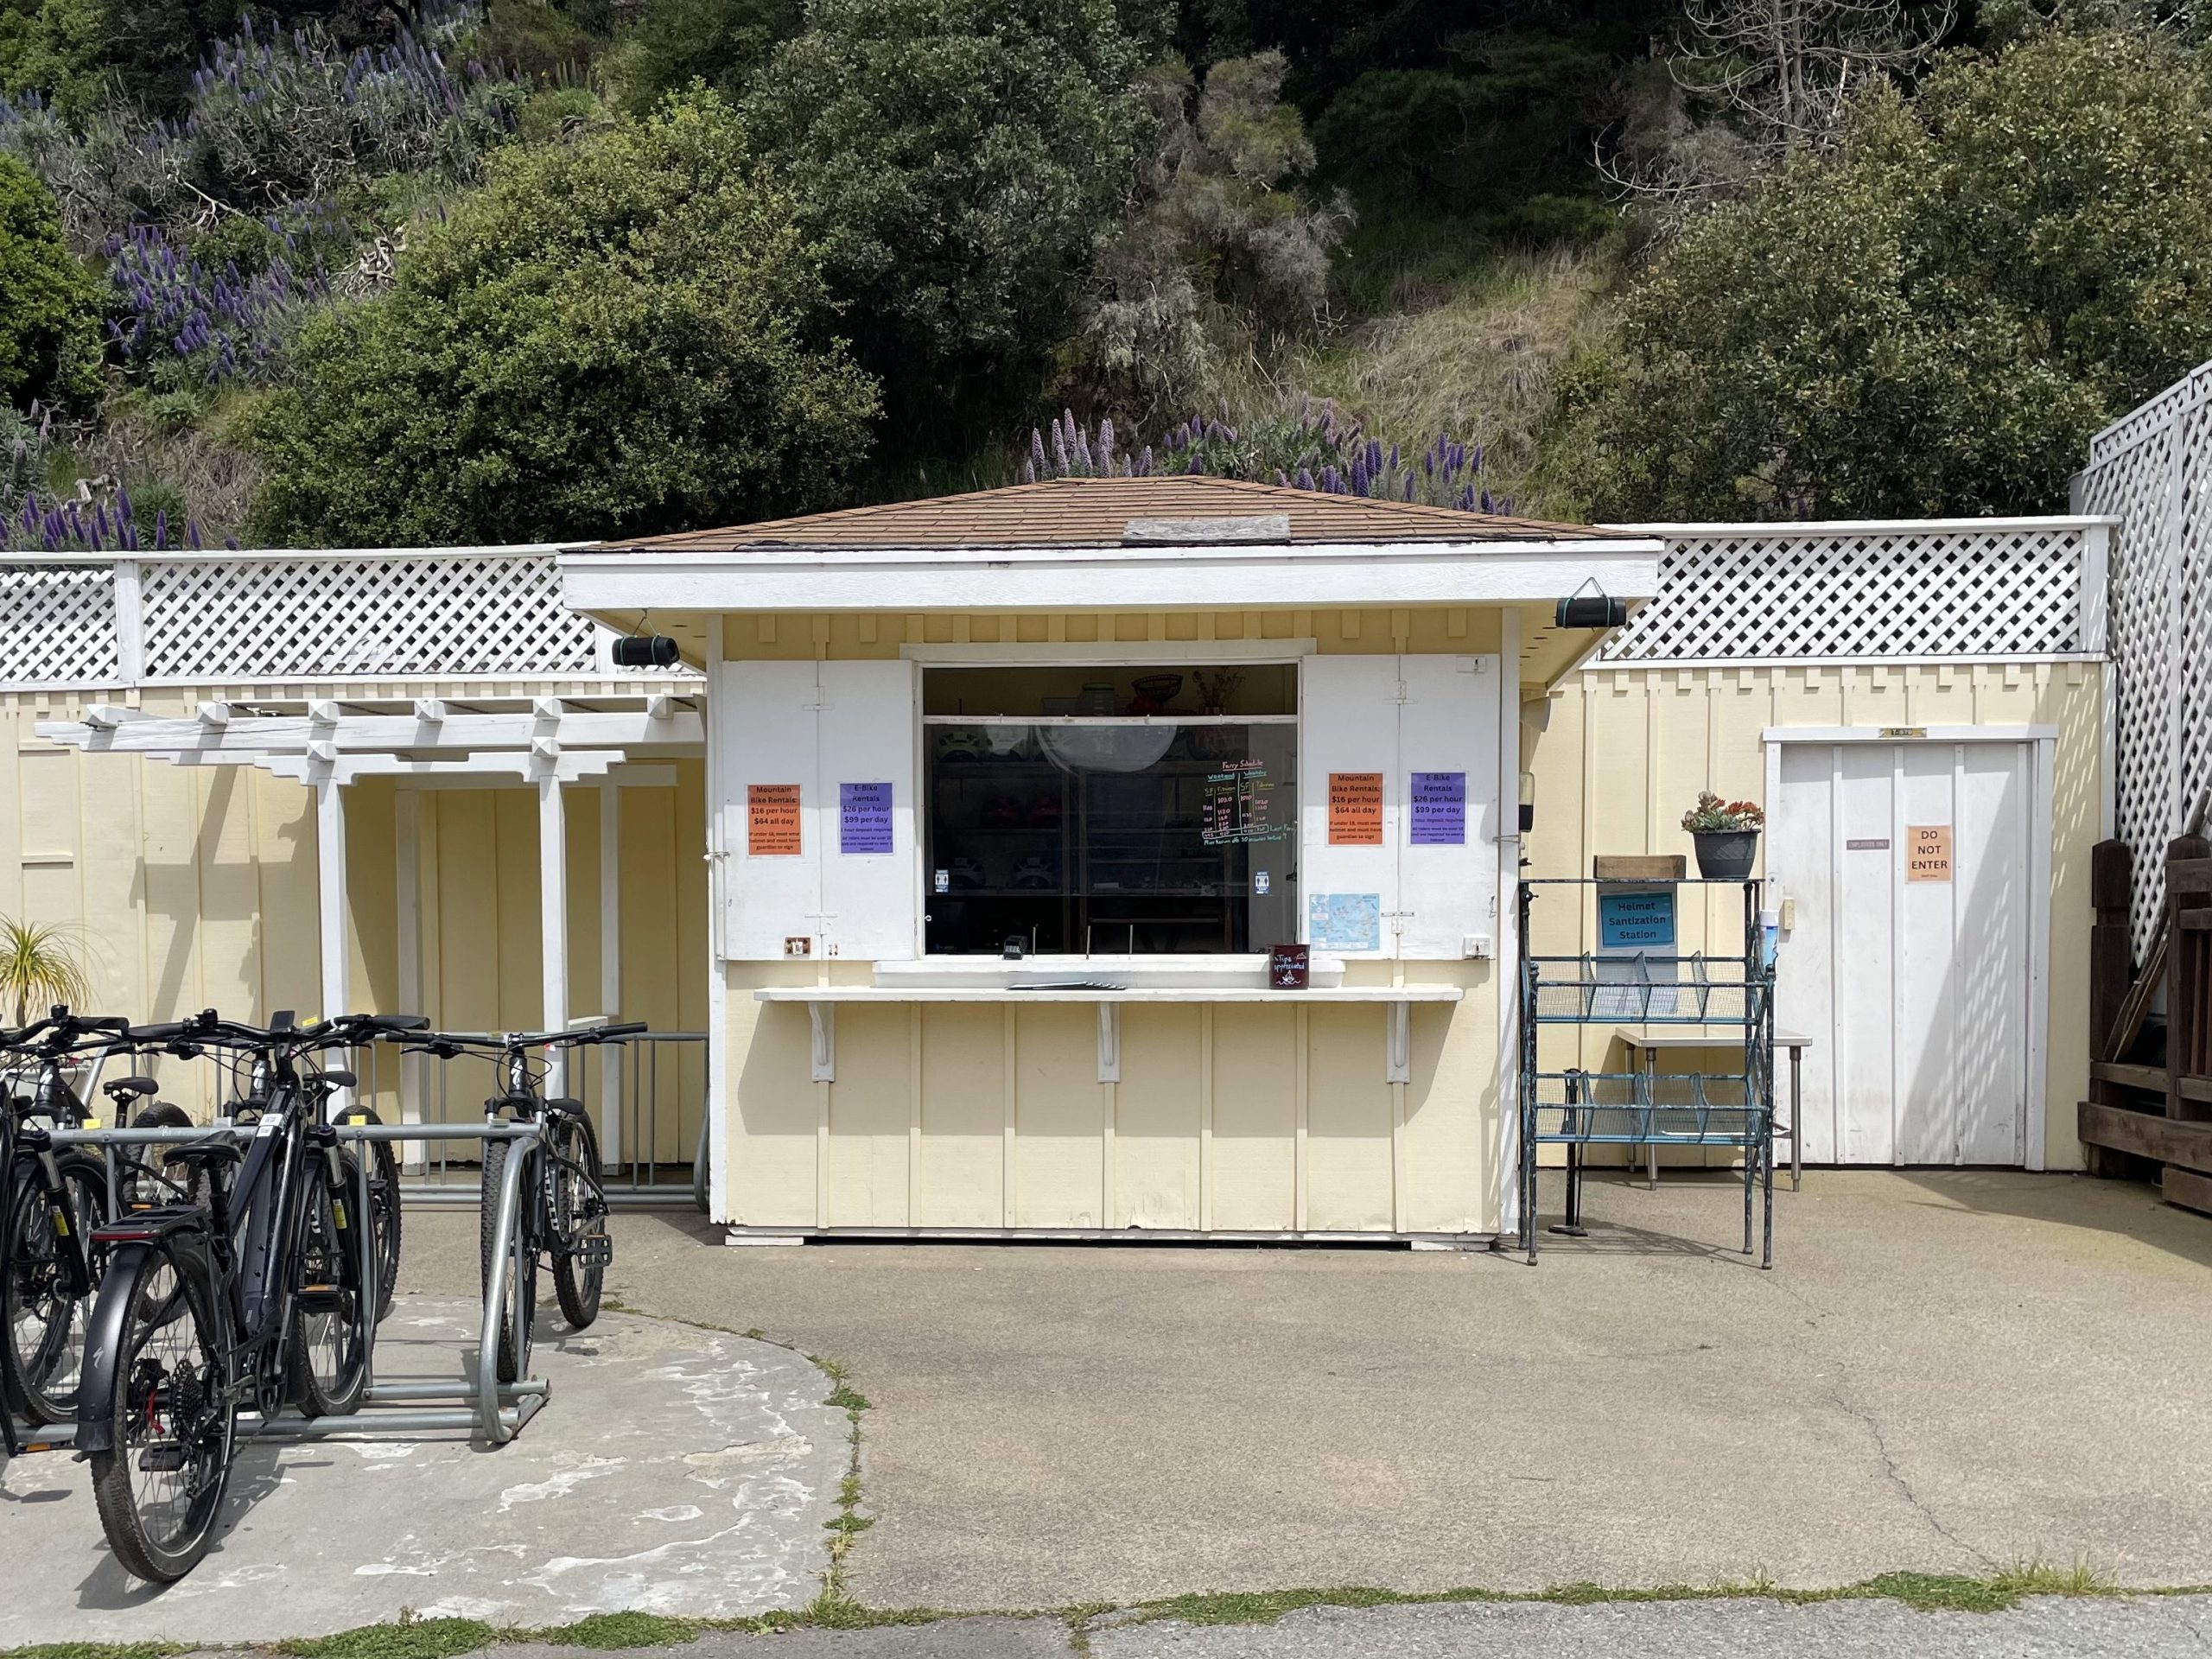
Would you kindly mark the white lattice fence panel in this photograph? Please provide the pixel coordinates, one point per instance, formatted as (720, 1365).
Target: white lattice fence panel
(1898, 590)
(221, 620)
(57, 624)
(2151, 470)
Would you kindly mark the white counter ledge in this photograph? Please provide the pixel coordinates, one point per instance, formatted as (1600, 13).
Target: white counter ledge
(1396, 1000)
(1126, 993)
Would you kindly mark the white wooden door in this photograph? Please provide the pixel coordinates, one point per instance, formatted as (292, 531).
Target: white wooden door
(1912, 962)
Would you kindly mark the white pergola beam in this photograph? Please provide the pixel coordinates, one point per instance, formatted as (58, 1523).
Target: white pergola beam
(330, 898)
(361, 733)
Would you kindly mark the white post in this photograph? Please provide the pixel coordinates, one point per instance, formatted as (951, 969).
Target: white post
(330, 896)
(553, 916)
(1505, 961)
(406, 828)
(720, 1201)
(610, 968)
(129, 624)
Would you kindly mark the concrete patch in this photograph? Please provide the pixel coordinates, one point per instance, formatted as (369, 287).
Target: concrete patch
(674, 1471)
(2151, 1628)
(950, 1638)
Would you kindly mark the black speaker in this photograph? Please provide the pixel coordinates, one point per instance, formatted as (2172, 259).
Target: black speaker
(646, 651)
(1592, 611)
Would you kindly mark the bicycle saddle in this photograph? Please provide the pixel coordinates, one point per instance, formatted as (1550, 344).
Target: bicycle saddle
(205, 1152)
(123, 1088)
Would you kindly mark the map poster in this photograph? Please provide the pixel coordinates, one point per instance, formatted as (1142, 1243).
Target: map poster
(1355, 808)
(863, 818)
(772, 821)
(1345, 921)
(1437, 808)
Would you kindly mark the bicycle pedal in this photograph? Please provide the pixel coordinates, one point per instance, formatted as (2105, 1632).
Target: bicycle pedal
(162, 1459)
(594, 1250)
(322, 1298)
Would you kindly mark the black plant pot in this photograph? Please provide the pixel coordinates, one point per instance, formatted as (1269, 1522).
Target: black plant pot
(1726, 855)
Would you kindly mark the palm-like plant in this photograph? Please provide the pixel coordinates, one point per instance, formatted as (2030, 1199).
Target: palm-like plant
(38, 967)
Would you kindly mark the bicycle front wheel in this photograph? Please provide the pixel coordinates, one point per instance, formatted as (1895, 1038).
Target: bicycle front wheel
(46, 1297)
(515, 1271)
(332, 1325)
(582, 1249)
(175, 1425)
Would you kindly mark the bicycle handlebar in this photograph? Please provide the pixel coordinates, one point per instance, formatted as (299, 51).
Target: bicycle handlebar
(65, 1030)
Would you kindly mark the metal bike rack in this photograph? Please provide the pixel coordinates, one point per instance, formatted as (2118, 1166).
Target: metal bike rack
(496, 1409)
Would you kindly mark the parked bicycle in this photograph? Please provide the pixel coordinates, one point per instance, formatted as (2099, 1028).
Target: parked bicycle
(51, 1200)
(255, 1295)
(564, 1215)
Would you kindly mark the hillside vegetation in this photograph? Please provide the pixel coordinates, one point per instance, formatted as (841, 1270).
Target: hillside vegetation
(374, 272)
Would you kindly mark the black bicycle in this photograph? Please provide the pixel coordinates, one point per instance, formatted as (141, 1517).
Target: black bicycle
(563, 1212)
(51, 1200)
(259, 1294)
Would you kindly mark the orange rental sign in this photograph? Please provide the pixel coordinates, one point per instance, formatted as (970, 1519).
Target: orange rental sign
(1355, 808)
(771, 820)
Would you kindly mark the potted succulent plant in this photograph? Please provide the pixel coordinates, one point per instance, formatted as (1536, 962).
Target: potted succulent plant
(1727, 836)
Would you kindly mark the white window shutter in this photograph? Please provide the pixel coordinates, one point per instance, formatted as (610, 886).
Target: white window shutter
(764, 721)
(1447, 727)
(1348, 708)
(870, 899)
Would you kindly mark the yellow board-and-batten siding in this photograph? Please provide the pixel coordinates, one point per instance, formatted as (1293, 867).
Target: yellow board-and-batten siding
(1617, 754)
(1226, 1117)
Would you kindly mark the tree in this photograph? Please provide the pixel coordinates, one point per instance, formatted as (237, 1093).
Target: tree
(722, 42)
(1757, 81)
(1932, 319)
(958, 160)
(1223, 251)
(616, 336)
(49, 307)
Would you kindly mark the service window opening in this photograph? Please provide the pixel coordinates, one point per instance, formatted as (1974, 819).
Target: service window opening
(1092, 812)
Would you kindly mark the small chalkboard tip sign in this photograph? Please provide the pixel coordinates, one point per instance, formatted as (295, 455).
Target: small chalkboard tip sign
(1288, 967)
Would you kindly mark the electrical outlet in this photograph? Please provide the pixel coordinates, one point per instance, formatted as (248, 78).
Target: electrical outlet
(1475, 946)
(798, 944)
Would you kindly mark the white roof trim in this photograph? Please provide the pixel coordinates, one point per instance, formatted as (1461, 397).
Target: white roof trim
(1037, 578)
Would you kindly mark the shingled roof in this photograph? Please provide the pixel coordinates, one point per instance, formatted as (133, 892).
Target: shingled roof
(1101, 511)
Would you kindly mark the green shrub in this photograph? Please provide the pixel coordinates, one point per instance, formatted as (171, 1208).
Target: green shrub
(49, 306)
(618, 335)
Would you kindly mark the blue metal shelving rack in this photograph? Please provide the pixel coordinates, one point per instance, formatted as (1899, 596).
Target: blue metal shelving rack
(1577, 1109)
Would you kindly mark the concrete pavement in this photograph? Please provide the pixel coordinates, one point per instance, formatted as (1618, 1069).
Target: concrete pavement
(1949, 1373)
(673, 1470)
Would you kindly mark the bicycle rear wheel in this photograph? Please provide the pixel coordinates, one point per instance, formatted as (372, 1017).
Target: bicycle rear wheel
(582, 1249)
(328, 1347)
(515, 1270)
(154, 1174)
(384, 1211)
(43, 1313)
(160, 1487)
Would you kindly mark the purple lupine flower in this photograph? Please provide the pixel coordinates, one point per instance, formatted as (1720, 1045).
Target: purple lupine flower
(1144, 461)
(1036, 452)
(192, 534)
(1106, 442)
(1305, 480)
(1409, 486)
(160, 530)
(1028, 470)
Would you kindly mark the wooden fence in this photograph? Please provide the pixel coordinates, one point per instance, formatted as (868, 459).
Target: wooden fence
(2149, 1113)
